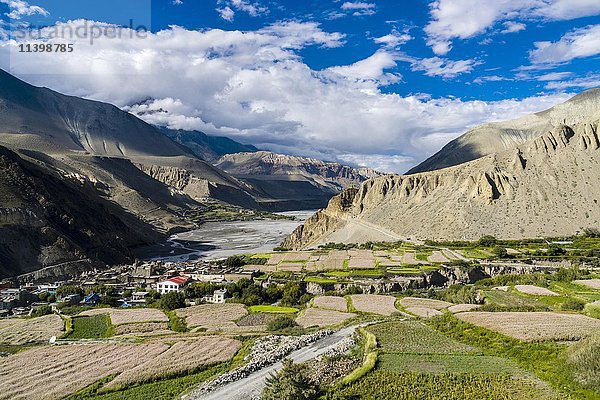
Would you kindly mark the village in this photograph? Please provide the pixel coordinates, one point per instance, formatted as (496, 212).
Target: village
(127, 286)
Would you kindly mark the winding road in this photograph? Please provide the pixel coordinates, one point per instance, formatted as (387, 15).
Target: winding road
(252, 386)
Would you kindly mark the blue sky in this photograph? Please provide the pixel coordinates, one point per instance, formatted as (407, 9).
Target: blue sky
(378, 83)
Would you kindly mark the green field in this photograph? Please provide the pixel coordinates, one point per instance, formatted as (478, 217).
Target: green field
(273, 309)
(317, 279)
(386, 385)
(446, 363)
(91, 327)
(415, 338)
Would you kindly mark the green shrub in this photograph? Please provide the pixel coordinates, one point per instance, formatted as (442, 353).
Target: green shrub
(290, 383)
(592, 310)
(281, 323)
(40, 311)
(573, 305)
(172, 301)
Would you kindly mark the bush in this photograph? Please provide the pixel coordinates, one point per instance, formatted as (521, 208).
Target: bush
(172, 301)
(500, 252)
(291, 383)
(459, 294)
(573, 305)
(487, 241)
(281, 323)
(592, 310)
(40, 311)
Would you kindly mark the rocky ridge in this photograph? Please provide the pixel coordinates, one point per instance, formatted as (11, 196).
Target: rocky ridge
(543, 187)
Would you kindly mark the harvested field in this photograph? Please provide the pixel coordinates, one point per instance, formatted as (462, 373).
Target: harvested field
(535, 290)
(534, 326)
(591, 283)
(297, 256)
(423, 312)
(362, 263)
(261, 268)
(437, 257)
(212, 316)
(410, 259)
(331, 303)
(320, 317)
(463, 308)
(143, 327)
(424, 303)
(16, 331)
(275, 259)
(181, 357)
(50, 373)
(130, 316)
(292, 267)
(256, 320)
(374, 303)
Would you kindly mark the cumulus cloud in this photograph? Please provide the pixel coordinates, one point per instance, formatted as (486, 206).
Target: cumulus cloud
(584, 42)
(463, 19)
(226, 13)
(19, 8)
(356, 8)
(253, 86)
(370, 70)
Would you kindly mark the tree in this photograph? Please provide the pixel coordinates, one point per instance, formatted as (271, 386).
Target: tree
(291, 383)
(500, 252)
(127, 294)
(67, 290)
(172, 301)
(40, 311)
(487, 241)
(291, 294)
(555, 250)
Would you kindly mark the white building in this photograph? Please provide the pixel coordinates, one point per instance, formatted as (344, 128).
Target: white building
(218, 297)
(175, 284)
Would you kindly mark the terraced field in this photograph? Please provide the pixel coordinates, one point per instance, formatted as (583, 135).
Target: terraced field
(18, 331)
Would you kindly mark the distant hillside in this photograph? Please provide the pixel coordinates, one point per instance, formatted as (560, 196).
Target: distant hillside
(495, 137)
(208, 148)
(291, 177)
(544, 187)
(47, 219)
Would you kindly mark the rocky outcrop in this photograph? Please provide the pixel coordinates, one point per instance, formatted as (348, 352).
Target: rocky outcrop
(178, 178)
(544, 187)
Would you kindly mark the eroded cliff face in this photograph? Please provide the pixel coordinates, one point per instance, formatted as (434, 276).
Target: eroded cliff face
(180, 179)
(545, 187)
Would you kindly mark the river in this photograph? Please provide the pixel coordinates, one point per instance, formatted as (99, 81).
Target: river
(216, 240)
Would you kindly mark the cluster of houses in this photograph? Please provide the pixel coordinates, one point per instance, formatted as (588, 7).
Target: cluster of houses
(138, 279)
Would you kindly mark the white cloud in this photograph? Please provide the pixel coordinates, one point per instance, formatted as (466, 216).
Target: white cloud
(463, 19)
(394, 39)
(19, 8)
(511, 27)
(587, 82)
(490, 78)
(570, 9)
(356, 8)
(226, 13)
(253, 86)
(553, 76)
(436, 66)
(370, 70)
(584, 42)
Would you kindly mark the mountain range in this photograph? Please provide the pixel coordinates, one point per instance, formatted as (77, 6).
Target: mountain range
(536, 176)
(137, 181)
